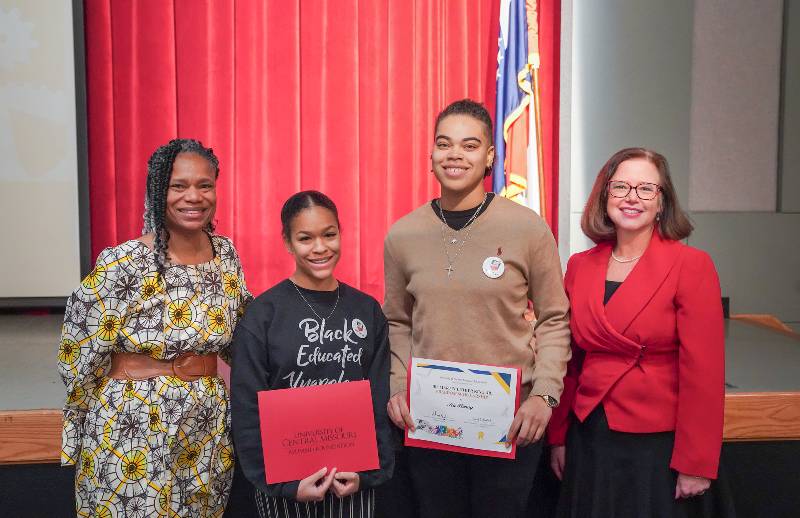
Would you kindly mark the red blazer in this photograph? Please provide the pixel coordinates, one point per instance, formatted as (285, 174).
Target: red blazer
(654, 355)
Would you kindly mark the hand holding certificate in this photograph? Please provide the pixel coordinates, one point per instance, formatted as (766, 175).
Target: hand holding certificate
(462, 407)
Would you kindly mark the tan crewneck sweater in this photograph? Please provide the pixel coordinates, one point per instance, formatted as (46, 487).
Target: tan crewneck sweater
(471, 317)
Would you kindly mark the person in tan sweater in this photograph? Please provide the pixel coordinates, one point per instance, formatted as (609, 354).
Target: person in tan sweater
(443, 302)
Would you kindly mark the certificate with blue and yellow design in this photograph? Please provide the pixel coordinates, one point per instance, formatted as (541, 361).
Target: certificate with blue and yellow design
(463, 407)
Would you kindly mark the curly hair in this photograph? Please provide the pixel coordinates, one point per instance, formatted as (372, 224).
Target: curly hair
(159, 172)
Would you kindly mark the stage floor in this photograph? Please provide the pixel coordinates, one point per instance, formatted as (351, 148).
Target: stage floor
(29, 370)
(756, 360)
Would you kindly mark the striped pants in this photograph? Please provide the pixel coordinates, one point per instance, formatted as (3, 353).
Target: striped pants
(358, 505)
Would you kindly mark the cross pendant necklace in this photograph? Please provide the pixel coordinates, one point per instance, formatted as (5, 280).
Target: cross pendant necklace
(467, 228)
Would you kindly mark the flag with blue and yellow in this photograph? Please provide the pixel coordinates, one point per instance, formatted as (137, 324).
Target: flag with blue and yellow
(517, 171)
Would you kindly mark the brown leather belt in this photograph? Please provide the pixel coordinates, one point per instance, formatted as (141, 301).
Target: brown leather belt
(187, 367)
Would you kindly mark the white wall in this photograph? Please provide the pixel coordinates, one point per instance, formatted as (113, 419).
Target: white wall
(632, 65)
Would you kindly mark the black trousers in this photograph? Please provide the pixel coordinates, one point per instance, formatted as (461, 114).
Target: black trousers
(456, 485)
(395, 498)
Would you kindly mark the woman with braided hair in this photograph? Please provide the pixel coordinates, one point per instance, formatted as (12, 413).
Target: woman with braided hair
(146, 420)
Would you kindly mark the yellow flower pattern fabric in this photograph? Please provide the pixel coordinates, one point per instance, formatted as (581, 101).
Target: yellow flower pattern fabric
(157, 447)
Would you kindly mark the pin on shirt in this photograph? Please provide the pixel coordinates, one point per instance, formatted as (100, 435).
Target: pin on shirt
(493, 266)
(359, 328)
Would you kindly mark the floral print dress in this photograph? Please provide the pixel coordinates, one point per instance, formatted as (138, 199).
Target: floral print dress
(156, 447)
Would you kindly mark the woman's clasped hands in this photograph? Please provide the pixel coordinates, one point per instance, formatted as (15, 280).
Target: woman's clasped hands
(314, 487)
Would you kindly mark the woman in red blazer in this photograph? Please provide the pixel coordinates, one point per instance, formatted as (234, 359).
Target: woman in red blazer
(643, 396)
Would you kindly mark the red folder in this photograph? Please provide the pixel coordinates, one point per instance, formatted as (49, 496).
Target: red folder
(305, 429)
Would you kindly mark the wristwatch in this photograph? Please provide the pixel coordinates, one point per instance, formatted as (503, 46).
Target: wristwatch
(550, 400)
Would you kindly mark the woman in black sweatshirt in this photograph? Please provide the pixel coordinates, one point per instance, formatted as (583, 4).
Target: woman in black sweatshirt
(278, 344)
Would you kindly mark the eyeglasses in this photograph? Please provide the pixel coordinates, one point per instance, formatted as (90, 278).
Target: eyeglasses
(645, 191)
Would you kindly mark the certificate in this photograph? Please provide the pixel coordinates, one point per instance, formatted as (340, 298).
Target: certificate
(305, 429)
(462, 407)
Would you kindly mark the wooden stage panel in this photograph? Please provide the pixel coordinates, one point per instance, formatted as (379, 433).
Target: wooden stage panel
(30, 436)
(762, 416)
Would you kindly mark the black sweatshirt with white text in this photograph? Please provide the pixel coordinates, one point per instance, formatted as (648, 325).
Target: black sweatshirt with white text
(280, 343)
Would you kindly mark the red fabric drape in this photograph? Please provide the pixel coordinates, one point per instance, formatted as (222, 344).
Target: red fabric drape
(336, 95)
(549, 14)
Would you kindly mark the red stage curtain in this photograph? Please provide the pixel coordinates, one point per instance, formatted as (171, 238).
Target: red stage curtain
(336, 95)
(549, 14)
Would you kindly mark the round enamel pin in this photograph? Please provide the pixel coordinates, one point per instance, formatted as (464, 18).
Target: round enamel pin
(359, 328)
(493, 267)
